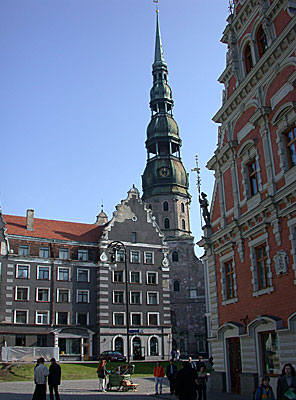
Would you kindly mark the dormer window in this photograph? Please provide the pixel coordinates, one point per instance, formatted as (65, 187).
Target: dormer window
(248, 58)
(261, 41)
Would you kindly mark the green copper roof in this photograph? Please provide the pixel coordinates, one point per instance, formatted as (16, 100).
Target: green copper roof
(158, 58)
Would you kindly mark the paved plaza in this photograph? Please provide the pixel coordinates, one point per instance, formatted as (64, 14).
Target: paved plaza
(87, 390)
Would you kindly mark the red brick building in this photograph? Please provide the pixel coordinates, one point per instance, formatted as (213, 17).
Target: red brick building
(250, 245)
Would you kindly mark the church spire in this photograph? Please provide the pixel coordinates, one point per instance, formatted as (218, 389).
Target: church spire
(159, 57)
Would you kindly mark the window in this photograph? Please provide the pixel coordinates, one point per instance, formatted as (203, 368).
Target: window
(135, 256)
(248, 58)
(63, 296)
(136, 319)
(62, 318)
(154, 346)
(153, 319)
(229, 278)
(291, 146)
(152, 278)
(270, 353)
(165, 206)
(20, 340)
(183, 224)
(82, 319)
(118, 345)
(175, 256)
(148, 257)
(182, 207)
(118, 297)
(43, 273)
(20, 317)
(261, 41)
(261, 261)
(42, 294)
(41, 340)
(63, 254)
(23, 250)
(63, 274)
(82, 296)
(134, 237)
(22, 293)
(177, 286)
(41, 317)
(166, 223)
(193, 293)
(253, 177)
(82, 275)
(135, 277)
(82, 255)
(118, 319)
(135, 297)
(44, 252)
(22, 271)
(152, 298)
(117, 276)
(120, 255)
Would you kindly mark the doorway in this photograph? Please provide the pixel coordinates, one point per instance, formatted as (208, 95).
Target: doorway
(235, 364)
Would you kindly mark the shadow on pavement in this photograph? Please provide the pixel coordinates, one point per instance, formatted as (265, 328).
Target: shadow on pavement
(92, 396)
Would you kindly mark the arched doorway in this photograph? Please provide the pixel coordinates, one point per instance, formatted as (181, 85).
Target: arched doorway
(118, 345)
(154, 347)
(137, 351)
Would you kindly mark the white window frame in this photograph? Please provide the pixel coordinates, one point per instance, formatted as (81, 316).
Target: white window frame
(58, 295)
(136, 313)
(191, 289)
(229, 257)
(58, 277)
(22, 287)
(22, 265)
(87, 317)
(14, 316)
(139, 258)
(82, 290)
(49, 272)
(140, 278)
(83, 269)
(24, 246)
(145, 254)
(124, 318)
(68, 317)
(141, 297)
(84, 252)
(43, 248)
(157, 298)
(61, 250)
(123, 296)
(247, 154)
(154, 273)
(153, 313)
(123, 276)
(119, 255)
(44, 312)
(43, 288)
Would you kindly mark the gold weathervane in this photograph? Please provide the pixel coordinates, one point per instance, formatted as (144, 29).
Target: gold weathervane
(156, 5)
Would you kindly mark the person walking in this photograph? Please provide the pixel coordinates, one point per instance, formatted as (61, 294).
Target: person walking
(286, 382)
(171, 373)
(40, 374)
(192, 363)
(202, 379)
(200, 363)
(264, 391)
(102, 375)
(158, 373)
(186, 382)
(177, 355)
(54, 379)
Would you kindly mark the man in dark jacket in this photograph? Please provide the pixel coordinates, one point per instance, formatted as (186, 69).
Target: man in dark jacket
(186, 382)
(171, 372)
(54, 379)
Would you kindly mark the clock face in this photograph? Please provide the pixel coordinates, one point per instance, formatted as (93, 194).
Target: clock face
(164, 172)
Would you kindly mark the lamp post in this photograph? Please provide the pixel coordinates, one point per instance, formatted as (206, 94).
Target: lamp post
(113, 247)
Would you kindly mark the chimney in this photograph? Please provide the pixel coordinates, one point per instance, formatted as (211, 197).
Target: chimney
(30, 220)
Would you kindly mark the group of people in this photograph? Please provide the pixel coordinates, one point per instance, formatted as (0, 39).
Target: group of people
(191, 378)
(41, 373)
(286, 386)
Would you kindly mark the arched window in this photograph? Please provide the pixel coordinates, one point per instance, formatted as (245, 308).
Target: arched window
(137, 351)
(177, 286)
(183, 224)
(119, 345)
(248, 58)
(182, 207)
(153, 346)
(165, 206)
(166, 223)
(261, 41)
(175, 256)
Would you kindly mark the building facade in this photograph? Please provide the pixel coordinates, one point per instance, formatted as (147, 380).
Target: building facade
(165, 190)
(250, 245)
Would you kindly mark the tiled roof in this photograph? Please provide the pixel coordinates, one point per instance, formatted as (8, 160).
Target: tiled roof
(50, 229)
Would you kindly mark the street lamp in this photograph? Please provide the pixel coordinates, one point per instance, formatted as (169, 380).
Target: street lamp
(113, 247)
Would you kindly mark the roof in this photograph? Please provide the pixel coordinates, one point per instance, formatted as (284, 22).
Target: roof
(51, 229)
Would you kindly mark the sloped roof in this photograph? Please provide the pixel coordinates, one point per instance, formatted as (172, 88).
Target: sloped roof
(51, 229)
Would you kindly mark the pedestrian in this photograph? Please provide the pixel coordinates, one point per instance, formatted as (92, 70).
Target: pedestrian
(286, 382)
(186, 382)
(202, 379)
(40, 374)
(171, 373)
(177, 355)
(54, 379)
(264, 391)
(158, 373)
(173, 354)
(192, 363)
(102, 375)
(211, 361)
(200, 363)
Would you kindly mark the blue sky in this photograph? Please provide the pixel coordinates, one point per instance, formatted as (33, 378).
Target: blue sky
(74, 107)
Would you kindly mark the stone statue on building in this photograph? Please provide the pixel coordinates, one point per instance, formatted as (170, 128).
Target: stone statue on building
(204, 204)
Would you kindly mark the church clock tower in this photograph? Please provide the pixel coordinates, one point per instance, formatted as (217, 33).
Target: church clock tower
(165, 181)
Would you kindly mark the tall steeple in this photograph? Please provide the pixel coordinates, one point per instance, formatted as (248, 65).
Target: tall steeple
(165, 181)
